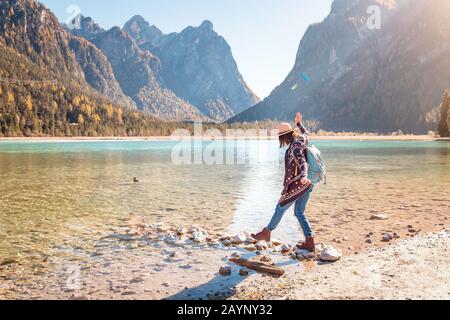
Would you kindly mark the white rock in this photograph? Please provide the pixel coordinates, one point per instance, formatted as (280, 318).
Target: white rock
(276, 250)
(330, 254)
(238, 239)
(250, 239)
(378, 216)
(261, 245)
(194, 229)
(199, 237)
(276, 242)
(160, 227)
(170, 239)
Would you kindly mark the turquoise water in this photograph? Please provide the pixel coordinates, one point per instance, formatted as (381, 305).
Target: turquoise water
(63, 190)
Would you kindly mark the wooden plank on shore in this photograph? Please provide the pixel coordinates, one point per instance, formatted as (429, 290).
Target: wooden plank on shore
(258, 266)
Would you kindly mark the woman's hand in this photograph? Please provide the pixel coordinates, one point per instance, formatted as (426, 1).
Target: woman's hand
(304, 181)
(298, 118)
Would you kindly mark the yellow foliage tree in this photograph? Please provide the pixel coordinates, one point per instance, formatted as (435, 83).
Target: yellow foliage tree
(80, 119)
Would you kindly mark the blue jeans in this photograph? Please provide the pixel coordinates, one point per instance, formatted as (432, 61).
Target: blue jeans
(299, 209)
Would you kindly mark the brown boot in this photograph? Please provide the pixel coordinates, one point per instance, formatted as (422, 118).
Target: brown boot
(263, 235)
(308, 245)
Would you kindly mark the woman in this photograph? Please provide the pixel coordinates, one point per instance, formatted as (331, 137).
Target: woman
(297, 187)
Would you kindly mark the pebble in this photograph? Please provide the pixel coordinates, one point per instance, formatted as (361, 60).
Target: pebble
(261, 245)
(225, 271)
(304, 254)
(250, 248)
(170, 239)
(378, 216)
(266, 258)
(244, 272)
(226, 243)
(182, 231)
(387, 237)
(285, 248)
(199, 236)
(238, 239)
(276, 242)
(236, 255)
(250, 239)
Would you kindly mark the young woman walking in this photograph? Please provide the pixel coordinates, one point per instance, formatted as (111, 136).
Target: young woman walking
(297, 187)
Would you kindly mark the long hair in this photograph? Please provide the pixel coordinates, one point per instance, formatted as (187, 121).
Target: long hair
(288, 138)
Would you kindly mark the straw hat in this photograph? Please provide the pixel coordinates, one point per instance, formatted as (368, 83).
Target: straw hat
(284, 128)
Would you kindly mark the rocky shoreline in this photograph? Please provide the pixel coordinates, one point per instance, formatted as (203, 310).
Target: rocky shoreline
(165, 261)
(416, 268)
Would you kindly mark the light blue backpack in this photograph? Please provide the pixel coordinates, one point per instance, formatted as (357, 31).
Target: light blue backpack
(316, 168)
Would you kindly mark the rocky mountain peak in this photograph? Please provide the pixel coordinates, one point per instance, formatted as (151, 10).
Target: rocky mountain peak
(340, 6)
(141, 30)
(88, 28)
(207, 25)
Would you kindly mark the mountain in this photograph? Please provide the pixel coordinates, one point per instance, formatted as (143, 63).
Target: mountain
(34, 31)
(53, 83)
(139, 75)
(198, 65)
(444, 123)
(349, 77)
(141, 31)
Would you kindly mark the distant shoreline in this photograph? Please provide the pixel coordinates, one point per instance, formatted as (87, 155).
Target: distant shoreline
(169, 138)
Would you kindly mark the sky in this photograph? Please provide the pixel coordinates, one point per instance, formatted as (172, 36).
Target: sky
(264, 35)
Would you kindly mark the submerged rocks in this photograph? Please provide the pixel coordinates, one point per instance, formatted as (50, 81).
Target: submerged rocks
(244, 272)
(225, 271)
(330, 254)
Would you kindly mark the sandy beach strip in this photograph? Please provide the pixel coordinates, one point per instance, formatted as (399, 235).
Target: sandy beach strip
(416, 268)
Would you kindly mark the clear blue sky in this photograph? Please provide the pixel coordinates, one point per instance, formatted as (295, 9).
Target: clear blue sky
(263, 34)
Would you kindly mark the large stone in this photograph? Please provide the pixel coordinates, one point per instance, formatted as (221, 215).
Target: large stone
(330, 254)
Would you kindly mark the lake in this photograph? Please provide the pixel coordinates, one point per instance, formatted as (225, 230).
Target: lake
(55, 193)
